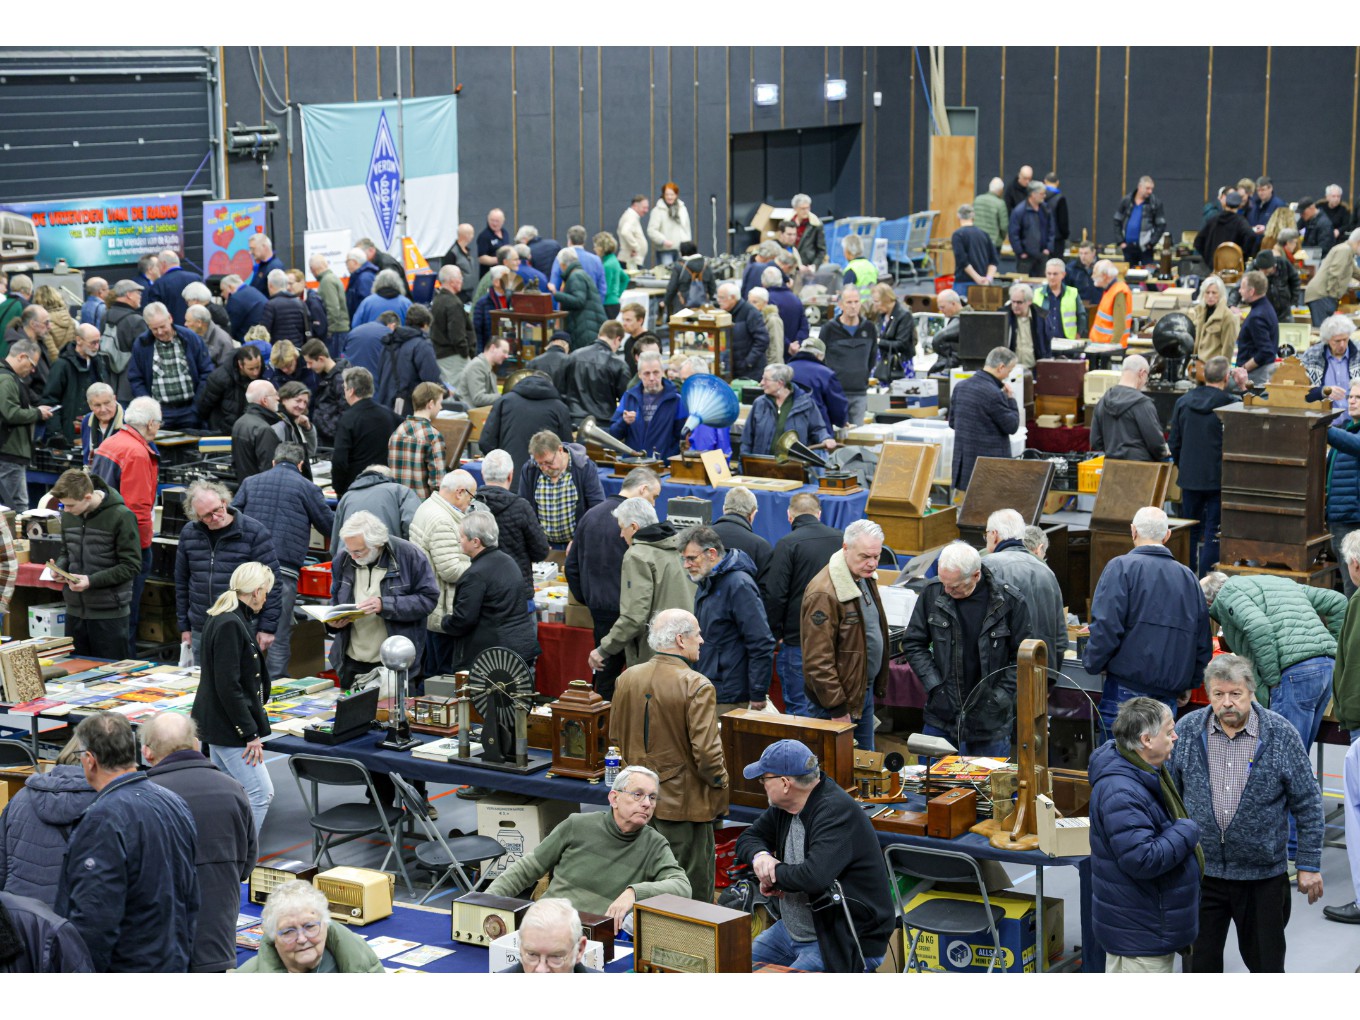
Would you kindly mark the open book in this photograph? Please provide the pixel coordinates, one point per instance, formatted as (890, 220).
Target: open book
(330, 614)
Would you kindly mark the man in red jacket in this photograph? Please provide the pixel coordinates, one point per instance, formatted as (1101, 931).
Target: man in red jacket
(129, 462)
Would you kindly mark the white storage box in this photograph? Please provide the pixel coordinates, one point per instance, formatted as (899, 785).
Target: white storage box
(1095, 384)
(48, 620)
(930, 430)
(519, 824)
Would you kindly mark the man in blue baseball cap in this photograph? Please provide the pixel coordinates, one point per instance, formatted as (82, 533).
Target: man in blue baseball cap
(815, 849)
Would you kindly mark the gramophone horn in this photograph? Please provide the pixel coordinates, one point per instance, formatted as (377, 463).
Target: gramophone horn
(600, 437)
(513, 379)
(708, 400)
(787, 448)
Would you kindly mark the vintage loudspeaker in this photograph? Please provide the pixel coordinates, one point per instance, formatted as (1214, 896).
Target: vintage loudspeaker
(979, 332)
(673, 935)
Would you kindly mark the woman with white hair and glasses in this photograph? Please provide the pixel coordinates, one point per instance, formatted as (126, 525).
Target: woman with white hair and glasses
(300, 939)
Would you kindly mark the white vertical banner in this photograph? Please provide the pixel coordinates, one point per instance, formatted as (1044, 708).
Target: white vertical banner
(355, 180)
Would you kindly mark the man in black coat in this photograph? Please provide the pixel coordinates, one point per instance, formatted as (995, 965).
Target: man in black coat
(227, 847)
(594, 378)
(253, 439)
(223, 397)
(489, 607)
(361, 438)
(812, 838)
(734, 526)
(533, 405)
(797, 558)
(521, 536)
(1196, 444)
(1228, 225)
(750, 338)
(983, 415)
(169, 286)
(553, 360)
(284, 315)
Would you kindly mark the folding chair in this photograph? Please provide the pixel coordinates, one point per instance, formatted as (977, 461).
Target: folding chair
(446, 856)
(920, 225)
(352, 820)
(13, 754)
(894, 232)
(943, 916)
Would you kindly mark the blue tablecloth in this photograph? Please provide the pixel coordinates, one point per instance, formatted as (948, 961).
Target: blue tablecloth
(772, 518)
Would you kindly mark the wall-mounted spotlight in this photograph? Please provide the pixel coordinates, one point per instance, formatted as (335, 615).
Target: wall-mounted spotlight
(767, 95)
(836, 90)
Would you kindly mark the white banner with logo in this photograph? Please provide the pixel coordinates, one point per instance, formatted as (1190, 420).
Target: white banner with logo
(352, 156)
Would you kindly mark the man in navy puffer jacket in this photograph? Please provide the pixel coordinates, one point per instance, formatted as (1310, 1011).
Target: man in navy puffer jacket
(35, 828)
(1145, 870)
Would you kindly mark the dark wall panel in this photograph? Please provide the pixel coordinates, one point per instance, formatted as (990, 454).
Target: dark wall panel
(1238, 114)
(592, 152)
(712, 142)
(1076, 120)
(983, 79)
(566, 142)
(802, 101)
(1328, 152)
(533, 137)
(1162, 108)
(485, 168)
(889, 196)
(1109, 173)
(764, 68)
(1029, 108)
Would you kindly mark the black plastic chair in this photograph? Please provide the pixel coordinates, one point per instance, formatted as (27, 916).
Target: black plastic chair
(351, 820)
(13, 754)
(449, 858)
(942, 916)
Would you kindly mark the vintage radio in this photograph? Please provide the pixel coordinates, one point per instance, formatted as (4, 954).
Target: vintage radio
(999, 483)
(899, 499)
(673, 935)
(951, 814)
(1060, 377)
(265, 878)
(600, 928)
(580, 733)
(690, 511)
(480, 919)
(746, 734)
(357, 895)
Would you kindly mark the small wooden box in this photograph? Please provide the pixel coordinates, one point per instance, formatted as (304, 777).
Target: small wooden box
(904, 823)
(1045, 404)
(1060, 377)
(951, 814)
(914, 535)
(689, 471)
(600, 928)
(673, 935)
(746, 734)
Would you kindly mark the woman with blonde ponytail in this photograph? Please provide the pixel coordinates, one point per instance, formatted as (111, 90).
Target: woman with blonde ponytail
(234, 684)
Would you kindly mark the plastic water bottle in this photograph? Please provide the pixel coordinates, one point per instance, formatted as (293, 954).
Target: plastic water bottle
(613, 759)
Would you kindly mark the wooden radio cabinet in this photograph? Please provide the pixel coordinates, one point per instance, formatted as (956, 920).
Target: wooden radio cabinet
(746, 734)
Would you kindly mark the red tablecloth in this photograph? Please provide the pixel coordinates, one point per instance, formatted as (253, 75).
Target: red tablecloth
(29, 574)
(566, 653)
(1076, 439)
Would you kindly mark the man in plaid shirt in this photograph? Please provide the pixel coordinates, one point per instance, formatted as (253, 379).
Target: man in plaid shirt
(416, 452)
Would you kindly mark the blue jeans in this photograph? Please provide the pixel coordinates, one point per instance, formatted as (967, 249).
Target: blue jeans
(1301, 696)
(255, 778)
(1207, 509)
(773, 945)
(185, 417)
(864, 727)
(276, 659)
(961, 285)
(1000, 748)
(1320, 309)
(1114, 695)
(789, 663)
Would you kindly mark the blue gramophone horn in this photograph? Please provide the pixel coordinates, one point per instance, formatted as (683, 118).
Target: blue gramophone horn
(709, 401)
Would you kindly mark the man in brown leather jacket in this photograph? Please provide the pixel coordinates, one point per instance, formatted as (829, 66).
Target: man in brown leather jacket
(844, 633)
(665, 717)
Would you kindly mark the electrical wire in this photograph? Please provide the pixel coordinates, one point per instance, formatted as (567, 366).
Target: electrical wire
(283, 106)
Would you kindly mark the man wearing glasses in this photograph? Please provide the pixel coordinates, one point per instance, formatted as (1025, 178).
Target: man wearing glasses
(814, 850)
(605, 861)
(551, 940)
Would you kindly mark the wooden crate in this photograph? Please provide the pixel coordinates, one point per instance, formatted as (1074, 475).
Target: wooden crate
(914, 535)
(746, 734)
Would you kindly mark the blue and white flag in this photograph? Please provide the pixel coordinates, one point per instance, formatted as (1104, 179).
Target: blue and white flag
(355, 180)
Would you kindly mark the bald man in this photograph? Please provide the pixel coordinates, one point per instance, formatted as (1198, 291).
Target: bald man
(227, 842)
(253, 439)
(1125, 424)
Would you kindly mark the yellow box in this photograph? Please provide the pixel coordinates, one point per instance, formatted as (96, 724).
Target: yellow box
(1088, 474)
(1016, 931)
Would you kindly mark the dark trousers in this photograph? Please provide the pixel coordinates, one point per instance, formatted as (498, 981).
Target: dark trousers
(606, 678)
(138, 585)
(1030, 265)
(1134, 255)
(1259, 909)
(183, 417)
(1206, 508)
(101, 639)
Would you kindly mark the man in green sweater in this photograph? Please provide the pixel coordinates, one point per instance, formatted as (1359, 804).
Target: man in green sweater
(604, 861)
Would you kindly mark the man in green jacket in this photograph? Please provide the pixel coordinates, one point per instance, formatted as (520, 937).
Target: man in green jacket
(18, 414)
(990, 214)
(604, 861)
(1346, 675)
(332, 293)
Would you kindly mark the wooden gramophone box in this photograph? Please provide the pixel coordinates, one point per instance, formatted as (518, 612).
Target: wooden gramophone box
(899, 499)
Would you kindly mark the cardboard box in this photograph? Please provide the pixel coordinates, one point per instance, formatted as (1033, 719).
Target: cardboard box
(578, 615)
(12, 780)
(1062, 837)
(519, 824)
(47, 620)
(1016, 931)
(766, 219)
(505, 953)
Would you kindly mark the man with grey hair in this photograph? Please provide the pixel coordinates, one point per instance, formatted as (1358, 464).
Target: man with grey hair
(463, 254)
(650, 414)
(171, 364)
(1196, 444)
(244, 304)
(451, 328)
(632, 238)
(332, 293)
(216, 340)
(734, 527)
(551, 940)
(1010, 561)
(284, 315)
(169, 286)
(588, 260)
(945, 343)
(227, 846)
(1026, 327)
(1036, 542)
(963, 641)
(1125, 425)
(650, 579)
(1059, 304)
(253, 439)
(843, 633)
(1332, 363)
(1030, 230)
(361, 438)
(262, 251)
(665, 717)
(983, 414)
(811, 234)
(1149, 624)
(990, 213)
(1337, 273)
(19, 413)
(1242, 770)
(79, 367)
(761, 260)
(604, 861)
(1139, 222)
(975, 255)
(749, 337)
(1146, 862)
(94, 309)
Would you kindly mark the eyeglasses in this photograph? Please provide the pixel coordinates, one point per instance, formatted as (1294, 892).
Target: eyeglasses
(220, 511)
(766, 779)
(531, 959)
(639, 796)
(288, 936)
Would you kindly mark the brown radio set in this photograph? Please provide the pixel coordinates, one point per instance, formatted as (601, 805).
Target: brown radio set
(479, 919)
(674, 935)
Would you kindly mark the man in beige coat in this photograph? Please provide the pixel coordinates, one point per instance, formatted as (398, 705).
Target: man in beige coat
(435, 531)
(650, 580)
(1332, 279)
(665, 717)
(632, 238)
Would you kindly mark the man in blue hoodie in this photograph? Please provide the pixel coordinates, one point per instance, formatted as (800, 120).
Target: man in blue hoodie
(738, 650)
(1242, 771)
(1145, 857)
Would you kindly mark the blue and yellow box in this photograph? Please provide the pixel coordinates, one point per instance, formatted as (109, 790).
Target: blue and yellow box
(1016, 930)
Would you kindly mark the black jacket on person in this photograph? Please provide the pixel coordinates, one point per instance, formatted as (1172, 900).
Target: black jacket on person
(1196, 439)
(737, 533)
(850, 355)
(223, 398)
(839, 845)
(127, 323)
(253, 441)
(1124, 426)
(1015, 194)
(360, 440)
(1283, 290)
(896, 343)
(677, 287)
(932, 646)
(551, 363)
(750, 340)
(1227, 226)
(286, 318)
(490, 610)
(451, 328)
(229, 706)
(203, 569)
(104, 545)
(1317, 232)
(226, 855)
(66, 386)
(797, 558)
(593, 382)
(521, 536)
(594, 565)
(532, 406)
(34, 940)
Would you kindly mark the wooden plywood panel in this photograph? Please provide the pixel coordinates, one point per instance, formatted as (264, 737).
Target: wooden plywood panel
(953, 167)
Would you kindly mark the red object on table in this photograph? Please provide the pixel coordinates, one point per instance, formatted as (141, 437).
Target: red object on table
(566, 657)
(1076, 439)
(29, 574)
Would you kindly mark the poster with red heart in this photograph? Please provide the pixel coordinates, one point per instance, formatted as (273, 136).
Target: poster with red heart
(227, 227)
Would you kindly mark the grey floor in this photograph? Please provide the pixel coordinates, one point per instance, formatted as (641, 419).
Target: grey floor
(1315, 944)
